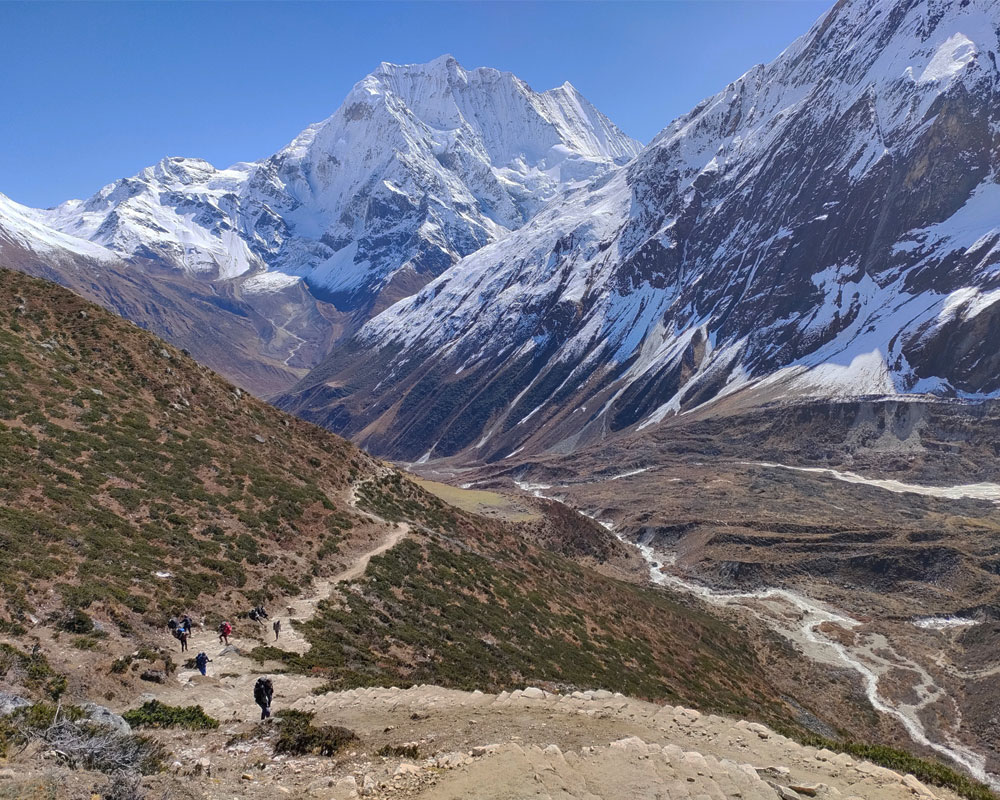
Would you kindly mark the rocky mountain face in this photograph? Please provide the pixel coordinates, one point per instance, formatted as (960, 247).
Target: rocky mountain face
(420, 166)
(824, 227)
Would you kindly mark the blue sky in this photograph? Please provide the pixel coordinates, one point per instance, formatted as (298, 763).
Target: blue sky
(96, 91)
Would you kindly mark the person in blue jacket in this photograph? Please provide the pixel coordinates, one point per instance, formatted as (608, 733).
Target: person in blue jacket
(202, 661)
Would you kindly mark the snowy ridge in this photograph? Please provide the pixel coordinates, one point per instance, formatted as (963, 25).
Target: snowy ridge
(182, 211)
(28, 228)
(421, 165)
(825, 226)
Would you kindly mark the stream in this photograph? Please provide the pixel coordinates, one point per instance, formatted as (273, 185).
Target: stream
(799, 619)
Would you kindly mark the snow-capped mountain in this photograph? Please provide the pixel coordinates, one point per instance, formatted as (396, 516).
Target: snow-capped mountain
(827, 225)
(421, 165)
(250, 338)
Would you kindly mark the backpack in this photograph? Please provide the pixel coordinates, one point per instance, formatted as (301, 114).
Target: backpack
(262, 691)
(226, 629)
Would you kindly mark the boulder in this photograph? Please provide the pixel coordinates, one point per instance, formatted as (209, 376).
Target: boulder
(9, 703)
(917, 787)
(452, 760)
(105, 717)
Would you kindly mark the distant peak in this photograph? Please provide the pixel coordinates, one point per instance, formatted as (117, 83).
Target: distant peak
(443, 63)
(446, 60)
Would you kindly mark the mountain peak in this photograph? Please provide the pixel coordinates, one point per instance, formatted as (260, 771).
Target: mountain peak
(421, 165)
(823, 227)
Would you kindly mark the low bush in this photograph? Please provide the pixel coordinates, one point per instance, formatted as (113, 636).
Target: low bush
(399, 751)
(79, 743)
(123, 785)
(924, 770)
(154, 714)
(298, 736)
(31, 671)
(76, 621)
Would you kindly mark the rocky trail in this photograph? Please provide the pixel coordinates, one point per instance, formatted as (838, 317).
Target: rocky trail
(529, 743)
(227, 691)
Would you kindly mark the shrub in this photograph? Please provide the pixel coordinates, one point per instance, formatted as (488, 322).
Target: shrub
(399, 751)
(298, 736)
(931, 772)
(123, 785)
(76, 621)
(120, 665)
(154, 714)
(32, 671)
(80, 743)
(103, 749)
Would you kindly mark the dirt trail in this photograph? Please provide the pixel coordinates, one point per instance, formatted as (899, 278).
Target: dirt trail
(304, 608)
(226, 692)
(592, 745)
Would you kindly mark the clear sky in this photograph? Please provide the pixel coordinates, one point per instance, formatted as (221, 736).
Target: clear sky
(97, 91)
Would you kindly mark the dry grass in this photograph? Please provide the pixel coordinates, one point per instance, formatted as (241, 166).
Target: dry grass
(479, 501)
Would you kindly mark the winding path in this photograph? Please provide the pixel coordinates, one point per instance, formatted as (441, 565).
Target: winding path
(226, 692)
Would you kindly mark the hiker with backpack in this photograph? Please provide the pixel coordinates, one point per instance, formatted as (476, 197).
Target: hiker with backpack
(225, 629)
(276, 627)
(186, 624)
(201, 661)
(181, 636)
(263, 691)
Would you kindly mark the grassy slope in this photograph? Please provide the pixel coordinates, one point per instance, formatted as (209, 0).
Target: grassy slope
(121, 457)
(472, 604)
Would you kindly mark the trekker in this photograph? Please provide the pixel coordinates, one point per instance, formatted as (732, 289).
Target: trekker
(263, 691)
(261, 613)
(252, 613)
(186, 624)
(172, 624)
(225, 629)
(182, 637)
(202, 661)
(277, 628)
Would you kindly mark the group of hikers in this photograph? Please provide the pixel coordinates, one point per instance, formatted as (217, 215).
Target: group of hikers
(263, 690)
(181, 629)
